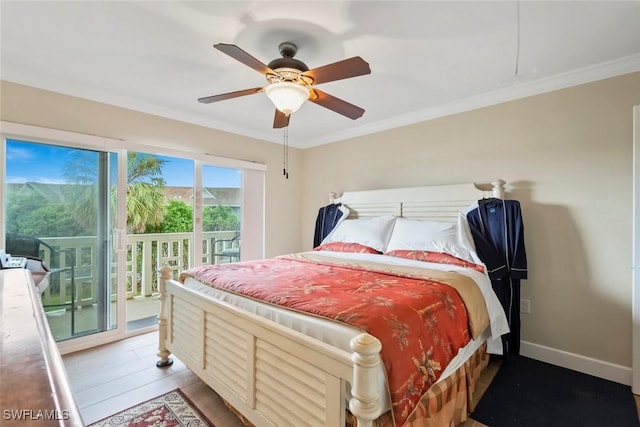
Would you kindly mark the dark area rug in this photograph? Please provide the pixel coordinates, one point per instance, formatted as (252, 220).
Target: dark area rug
(526, 392)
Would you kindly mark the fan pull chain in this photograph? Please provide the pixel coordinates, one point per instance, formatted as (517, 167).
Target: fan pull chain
(285, 160)
(517, 39)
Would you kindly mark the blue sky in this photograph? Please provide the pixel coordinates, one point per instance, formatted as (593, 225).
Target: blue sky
(29, 162)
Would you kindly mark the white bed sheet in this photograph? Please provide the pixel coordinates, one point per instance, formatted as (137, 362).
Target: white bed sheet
(339, 335)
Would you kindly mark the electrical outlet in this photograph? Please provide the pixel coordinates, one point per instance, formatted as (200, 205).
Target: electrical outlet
(525, 306)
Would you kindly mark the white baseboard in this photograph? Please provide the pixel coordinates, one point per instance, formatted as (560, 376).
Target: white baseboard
(587, 365)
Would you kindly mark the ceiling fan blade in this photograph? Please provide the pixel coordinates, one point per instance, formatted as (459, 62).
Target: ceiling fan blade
(240, 55)
(280, 120)
(344, 69)
(335, 104)
(223, 96)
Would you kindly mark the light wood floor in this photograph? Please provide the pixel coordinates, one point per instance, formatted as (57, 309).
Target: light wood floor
(113, 377)
(110, 378)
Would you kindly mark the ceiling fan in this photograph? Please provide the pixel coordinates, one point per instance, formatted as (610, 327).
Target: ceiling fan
(291, 82)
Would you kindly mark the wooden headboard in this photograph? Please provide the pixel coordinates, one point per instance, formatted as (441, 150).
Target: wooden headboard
(437, 202)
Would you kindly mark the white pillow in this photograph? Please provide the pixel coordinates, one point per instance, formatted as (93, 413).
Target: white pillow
(432, 236)
(372, 232)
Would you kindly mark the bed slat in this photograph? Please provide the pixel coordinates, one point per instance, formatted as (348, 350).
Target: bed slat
(187, 330)
(225, 354)
(289, 396)
(435, 211)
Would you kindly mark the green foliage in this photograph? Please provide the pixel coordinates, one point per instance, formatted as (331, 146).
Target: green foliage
(145, 199)
(145, 206)
(178, 219)
(28, 214)
(19, 207)
(218, 218)
(145, 168)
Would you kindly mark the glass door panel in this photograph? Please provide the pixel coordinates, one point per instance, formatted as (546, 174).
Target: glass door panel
(58, 209)
(221, 214)
(160, 229)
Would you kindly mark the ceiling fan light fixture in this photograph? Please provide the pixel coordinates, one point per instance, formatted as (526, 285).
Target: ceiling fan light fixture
(287, 97)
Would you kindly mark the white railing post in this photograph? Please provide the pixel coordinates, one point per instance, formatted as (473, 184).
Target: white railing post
(365, 403)
(132, 272)
(147, 267)
(163, 353)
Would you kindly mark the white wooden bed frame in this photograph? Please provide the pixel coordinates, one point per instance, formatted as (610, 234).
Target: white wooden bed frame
(273, 375)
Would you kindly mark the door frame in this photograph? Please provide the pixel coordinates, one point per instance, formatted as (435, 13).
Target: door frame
(635, 340)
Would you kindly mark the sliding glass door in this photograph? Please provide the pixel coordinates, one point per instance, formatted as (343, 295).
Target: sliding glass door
(105, 215)
(58, 208)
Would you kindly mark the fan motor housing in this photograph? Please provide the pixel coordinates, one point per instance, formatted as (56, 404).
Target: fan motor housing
(288, 50)
(288, 63)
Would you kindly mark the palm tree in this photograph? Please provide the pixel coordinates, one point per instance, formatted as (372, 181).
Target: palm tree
(146, 203)
(145, 198)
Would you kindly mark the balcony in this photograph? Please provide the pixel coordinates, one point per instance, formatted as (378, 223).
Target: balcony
(76, 313)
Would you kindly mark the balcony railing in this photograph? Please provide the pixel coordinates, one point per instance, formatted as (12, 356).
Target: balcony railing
(146, 253)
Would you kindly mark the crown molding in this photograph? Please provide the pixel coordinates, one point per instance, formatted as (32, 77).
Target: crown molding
(517, 90)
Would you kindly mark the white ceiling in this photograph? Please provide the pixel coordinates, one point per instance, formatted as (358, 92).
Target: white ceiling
(428, 59)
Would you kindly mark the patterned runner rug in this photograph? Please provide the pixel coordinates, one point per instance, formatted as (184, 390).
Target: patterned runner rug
(172, 409)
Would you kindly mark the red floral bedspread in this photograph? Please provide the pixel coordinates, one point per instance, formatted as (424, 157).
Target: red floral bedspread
(421, 323)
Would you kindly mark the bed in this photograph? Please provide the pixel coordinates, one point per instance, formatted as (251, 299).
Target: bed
(273, 369)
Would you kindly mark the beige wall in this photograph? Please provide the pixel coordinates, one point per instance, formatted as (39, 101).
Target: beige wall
(567, 156)
(22, 104)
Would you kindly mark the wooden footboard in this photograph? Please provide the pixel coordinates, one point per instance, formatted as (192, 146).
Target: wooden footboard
(271, 374)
